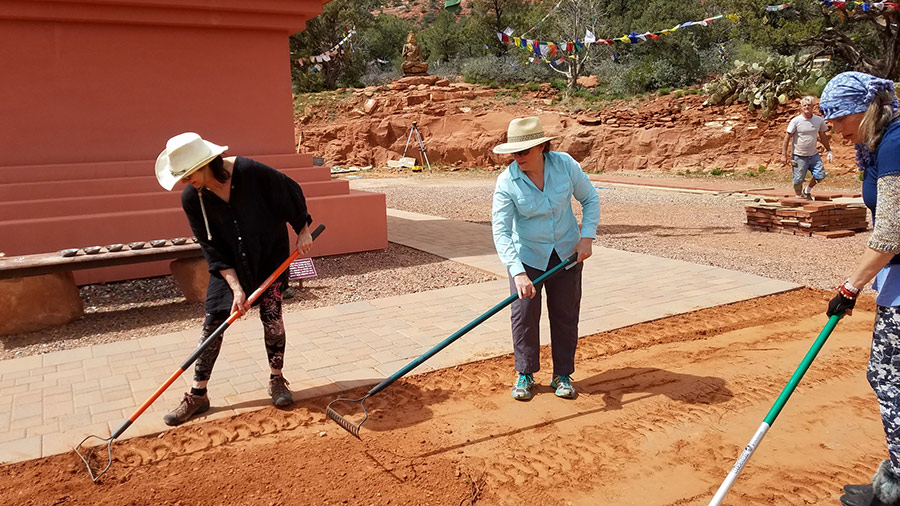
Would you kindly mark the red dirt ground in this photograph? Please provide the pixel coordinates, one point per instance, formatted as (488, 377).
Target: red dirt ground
(664, 410)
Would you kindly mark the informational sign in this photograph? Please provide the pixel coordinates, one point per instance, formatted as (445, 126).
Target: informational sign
(302, 268)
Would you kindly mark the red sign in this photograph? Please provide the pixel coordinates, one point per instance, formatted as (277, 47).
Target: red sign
(302, 268)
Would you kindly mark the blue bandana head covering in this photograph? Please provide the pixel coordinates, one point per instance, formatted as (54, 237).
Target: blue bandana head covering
(852, 92)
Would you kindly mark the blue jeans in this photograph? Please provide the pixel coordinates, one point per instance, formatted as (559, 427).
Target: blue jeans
(812, 163)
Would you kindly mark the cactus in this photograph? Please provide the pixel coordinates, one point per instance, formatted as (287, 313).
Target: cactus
(763, 87)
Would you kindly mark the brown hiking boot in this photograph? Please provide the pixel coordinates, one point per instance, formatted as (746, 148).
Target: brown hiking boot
(190, 405)
(281, 395)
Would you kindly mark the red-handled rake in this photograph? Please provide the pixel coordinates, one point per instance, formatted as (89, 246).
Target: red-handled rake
(353, 428)
(88, 452)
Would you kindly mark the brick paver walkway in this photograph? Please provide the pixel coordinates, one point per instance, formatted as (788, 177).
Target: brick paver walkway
(48, 403)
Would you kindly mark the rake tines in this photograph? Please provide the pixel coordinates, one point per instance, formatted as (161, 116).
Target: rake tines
(88, 455)
(347, 425)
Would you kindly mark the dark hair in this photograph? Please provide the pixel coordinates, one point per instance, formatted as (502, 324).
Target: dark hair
(545, 147)
(217, 166)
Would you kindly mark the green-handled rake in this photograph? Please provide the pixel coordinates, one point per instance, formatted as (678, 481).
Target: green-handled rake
(775, 410)
(353, 428)
(88, 452)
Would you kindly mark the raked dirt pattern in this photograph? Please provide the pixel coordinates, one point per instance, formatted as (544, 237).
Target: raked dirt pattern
(664, 410)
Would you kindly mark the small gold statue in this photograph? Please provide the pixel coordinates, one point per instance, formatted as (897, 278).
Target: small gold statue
(412, 58)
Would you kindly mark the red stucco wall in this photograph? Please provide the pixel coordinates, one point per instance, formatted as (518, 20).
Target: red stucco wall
(113, 80)
(92, 89)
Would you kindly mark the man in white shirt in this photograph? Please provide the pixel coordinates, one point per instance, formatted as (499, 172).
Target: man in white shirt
(803, 132)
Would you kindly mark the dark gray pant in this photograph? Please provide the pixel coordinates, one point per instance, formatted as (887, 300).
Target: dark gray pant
(563, 305)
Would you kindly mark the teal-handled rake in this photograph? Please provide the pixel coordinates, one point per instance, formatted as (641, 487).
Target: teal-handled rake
(776, 409)
(353, 428)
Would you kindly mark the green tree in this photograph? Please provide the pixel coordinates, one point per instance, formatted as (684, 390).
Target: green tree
(868, 41)
(490, 17)
(679, 52)
(321, 34)
(385, 38)
(443, 39)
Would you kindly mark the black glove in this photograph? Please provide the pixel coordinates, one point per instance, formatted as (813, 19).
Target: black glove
(840, 304)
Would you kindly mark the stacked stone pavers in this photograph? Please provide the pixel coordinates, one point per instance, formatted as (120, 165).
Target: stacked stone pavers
(794, 216)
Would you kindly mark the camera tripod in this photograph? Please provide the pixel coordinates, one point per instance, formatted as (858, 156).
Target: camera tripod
(415, 128)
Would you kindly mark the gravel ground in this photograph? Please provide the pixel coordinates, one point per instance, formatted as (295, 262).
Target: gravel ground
(699, 228)
(694, 227)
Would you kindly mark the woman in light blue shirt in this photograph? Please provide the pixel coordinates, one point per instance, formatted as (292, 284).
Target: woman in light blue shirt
(534, 228)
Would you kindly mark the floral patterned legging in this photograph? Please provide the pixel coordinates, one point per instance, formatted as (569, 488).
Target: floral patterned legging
(884, 376)
(273, 332)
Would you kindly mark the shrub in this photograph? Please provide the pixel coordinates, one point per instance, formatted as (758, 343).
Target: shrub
(376, 76)
(716, 172)
(764, 86)
(761, 169)
(487, 69)
(663, 91)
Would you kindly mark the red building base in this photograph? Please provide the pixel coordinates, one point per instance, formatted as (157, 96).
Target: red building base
(96, 88)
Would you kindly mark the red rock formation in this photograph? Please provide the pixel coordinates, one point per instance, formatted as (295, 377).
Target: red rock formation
(460, 123)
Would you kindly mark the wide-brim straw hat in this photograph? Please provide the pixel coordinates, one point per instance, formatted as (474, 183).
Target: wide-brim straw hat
(523, 133)
(184, 154)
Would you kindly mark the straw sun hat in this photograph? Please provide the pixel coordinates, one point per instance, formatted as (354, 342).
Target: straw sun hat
(523, 133)
(184, 154)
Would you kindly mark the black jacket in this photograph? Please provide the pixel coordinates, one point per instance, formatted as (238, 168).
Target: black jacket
(248, 232)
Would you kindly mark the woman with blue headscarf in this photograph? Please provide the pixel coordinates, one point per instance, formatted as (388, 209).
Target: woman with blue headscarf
(863, 109)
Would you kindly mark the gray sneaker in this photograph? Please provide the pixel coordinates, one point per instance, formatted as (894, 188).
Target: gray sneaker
(190, 405)
(564, 387)
(521, 391)
(281, 395)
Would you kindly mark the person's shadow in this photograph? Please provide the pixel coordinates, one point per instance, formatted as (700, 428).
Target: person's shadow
(615, 384)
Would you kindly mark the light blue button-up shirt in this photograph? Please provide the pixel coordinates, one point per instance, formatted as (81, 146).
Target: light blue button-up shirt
(528, 223)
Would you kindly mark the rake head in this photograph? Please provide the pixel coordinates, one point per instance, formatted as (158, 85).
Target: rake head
(88, 453)
(347, 425)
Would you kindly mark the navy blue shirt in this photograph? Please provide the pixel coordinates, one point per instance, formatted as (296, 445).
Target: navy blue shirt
(886, 164)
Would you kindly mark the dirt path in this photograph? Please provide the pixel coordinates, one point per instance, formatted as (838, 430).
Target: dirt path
(664, 410)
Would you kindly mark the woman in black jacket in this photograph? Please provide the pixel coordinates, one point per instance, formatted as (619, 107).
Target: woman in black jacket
(237, 208)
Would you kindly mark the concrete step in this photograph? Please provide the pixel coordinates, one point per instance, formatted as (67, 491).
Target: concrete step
(120, 185)
(356, 222)
(158, 199)
(135, 168)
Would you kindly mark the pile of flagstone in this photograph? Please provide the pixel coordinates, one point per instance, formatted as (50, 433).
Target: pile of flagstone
(796, 216)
